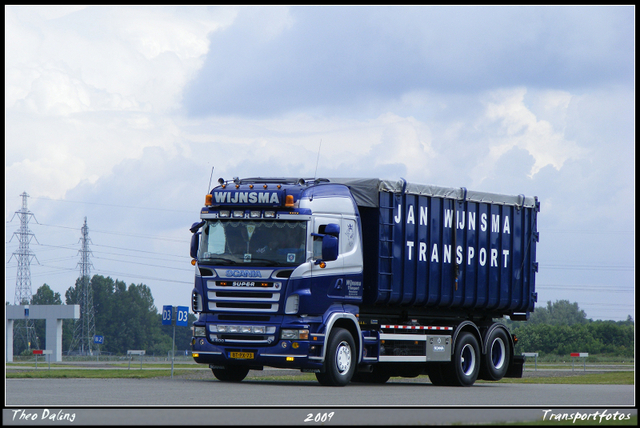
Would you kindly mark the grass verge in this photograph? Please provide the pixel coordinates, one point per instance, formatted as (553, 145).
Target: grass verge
(91, 373)
(609, 378)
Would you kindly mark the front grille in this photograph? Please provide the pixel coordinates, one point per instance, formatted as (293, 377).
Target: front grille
(243, 305)
(226, 296)
(232, 317)
(245, 338)
(243, 295)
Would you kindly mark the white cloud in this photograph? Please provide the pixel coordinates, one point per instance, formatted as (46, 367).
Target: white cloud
(131, 58)
(89, 87)
(512, 124)
(100, 107)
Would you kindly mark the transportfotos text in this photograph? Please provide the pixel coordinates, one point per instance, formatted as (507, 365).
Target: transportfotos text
(550, 415)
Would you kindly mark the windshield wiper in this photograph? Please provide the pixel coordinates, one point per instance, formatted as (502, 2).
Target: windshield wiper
(220, 259)
(266, 262)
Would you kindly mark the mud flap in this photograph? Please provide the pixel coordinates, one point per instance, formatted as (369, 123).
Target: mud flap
(516, 366)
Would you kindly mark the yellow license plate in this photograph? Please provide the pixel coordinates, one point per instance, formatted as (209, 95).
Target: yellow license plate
(241, 355)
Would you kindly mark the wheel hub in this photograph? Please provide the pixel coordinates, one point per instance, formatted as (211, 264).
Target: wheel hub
(343, 357)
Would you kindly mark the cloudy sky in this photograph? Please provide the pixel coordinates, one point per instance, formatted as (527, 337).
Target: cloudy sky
(118, 114)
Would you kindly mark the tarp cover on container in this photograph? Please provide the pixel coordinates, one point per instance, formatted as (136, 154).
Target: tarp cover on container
(433, 248)
(365, 192)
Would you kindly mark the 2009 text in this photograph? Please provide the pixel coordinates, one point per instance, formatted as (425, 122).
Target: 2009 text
(319, 417)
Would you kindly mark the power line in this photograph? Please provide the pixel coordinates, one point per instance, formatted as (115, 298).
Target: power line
(140, 251)
(111, 205)
(604, 288)
(118, 233)
(586, 232)
(143, 264)
(110, 273)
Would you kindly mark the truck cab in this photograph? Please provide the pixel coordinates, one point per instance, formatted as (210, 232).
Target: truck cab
(278, 268)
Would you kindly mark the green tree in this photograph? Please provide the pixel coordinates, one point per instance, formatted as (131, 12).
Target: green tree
(561, 312)
(102, 289)
(128, 318)
(44, 296)
(594, 337)
(71, 297)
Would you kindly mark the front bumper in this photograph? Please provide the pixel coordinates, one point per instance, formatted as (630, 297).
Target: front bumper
(298, 354)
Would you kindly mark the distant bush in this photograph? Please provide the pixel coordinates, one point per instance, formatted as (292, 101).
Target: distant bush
(595, 337)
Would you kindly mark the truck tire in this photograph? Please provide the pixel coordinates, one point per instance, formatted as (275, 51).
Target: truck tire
(231, 373)
(496, 361)
(438, 374)
(340, 363)
(377, 375)
(465, 364)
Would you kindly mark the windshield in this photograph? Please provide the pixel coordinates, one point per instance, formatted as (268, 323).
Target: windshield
(266, 243)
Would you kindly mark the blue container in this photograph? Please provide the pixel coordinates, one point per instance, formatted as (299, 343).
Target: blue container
(447, 250)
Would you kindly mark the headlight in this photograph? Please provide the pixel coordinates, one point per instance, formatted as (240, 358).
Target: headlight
(199, 331)
(287, 334)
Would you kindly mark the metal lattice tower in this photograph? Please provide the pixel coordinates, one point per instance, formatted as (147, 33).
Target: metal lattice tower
(24, 256)
(85, 326)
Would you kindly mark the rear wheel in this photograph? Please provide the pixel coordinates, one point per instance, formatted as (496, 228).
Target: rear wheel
(496, 362)
(231, 373)
(438, 374)
(465, 366)
(377, 375)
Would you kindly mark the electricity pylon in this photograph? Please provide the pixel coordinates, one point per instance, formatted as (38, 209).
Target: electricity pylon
(25, 329)
(85, 326)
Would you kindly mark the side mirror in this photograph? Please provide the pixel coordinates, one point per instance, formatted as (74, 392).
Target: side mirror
(196, 226)
(332, 229)
(330, 235)
(195, 241)
(329, 248)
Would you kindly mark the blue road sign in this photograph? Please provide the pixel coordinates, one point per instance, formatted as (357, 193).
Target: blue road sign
(98, 339)
(167, 314)
(182, 317)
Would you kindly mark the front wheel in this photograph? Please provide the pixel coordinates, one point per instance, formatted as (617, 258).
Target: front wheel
(231, 373)
(340, 363)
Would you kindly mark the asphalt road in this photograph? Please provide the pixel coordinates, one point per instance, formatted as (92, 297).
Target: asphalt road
(167, 401)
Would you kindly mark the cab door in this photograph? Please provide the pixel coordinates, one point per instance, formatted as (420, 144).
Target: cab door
(328, 282)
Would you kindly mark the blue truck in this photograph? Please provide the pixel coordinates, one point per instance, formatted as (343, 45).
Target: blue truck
(359, 280)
